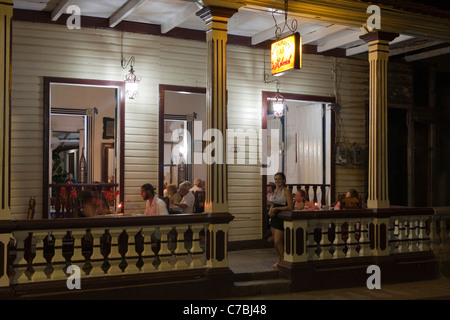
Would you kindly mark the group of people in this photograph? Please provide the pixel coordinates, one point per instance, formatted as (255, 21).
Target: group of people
(299, 199)
(279, 198)
(181, 198)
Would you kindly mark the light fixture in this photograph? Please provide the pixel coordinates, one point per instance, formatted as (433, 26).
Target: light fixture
(278, 103)
(131, 80)
(279, 31)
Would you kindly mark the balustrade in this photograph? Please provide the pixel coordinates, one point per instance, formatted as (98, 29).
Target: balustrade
(43, 250)
(315, 193)
(327, 235)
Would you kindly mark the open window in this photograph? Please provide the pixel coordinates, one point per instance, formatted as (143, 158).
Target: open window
(83, 134)
(182, 111)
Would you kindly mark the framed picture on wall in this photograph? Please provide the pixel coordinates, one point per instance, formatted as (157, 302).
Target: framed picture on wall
(108, 128)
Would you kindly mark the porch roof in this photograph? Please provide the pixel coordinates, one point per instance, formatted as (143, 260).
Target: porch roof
(326, 25)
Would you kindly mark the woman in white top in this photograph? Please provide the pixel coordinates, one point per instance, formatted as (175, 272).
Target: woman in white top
(154, 205)
(282, 201)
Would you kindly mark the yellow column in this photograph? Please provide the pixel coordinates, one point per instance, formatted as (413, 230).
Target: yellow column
(378, 144)
(216, 198)
(6, 13)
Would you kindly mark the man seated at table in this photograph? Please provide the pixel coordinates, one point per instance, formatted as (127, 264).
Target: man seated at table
(154, 205)
(188, 198)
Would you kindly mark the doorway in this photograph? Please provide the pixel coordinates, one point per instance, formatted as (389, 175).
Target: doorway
(306, 138)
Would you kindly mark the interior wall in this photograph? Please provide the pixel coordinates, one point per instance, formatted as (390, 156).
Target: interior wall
(178, 103)
(85, 97)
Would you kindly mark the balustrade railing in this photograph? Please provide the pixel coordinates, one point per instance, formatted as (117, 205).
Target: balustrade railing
(42, 250)
(440, 233)
(319, 193)
(326, 235)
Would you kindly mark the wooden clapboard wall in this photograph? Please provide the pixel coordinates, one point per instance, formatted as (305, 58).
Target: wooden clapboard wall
(40, 50)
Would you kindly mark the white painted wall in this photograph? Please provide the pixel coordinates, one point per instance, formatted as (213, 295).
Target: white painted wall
(40, 50)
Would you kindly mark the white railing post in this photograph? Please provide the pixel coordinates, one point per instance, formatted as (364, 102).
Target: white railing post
(338, 243)
(295, 243)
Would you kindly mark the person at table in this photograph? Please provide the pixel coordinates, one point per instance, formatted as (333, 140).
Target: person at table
(282, 201)
(351, 199)
(90, 208)
(270, 190)
(198, 185)
(154, 206)
(301, 203)
(188, 198)
(71, 179)
(173, 195)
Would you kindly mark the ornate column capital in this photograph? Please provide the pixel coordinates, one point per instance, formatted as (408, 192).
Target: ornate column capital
(208, 12)
(378, 35)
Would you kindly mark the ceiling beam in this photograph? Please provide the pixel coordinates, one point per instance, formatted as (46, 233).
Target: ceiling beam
(321, 33)
(179, 17)
(339, 41)
(60, 8)
(353, 14)
(270, 33)
(365, 47)
(124, 12)
(416, 45)
(427, 54)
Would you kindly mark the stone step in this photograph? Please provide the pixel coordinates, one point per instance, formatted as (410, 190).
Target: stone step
(261, 287)
(261, 275)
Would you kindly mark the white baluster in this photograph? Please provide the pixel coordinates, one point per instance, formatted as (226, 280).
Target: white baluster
(38, 248)
(114, 257)
(393, 235)
(311, 245)
(364, 242)
(351, 241)
(324, 242)
(60, 268)
(181, 251)
(196, 251)
(164, 254)
(402, 236)
(434, 236)
(97, 258)
(148, 255)
(412, 236)
(338, 243)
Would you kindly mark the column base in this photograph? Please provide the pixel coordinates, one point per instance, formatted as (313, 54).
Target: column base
(378, 204)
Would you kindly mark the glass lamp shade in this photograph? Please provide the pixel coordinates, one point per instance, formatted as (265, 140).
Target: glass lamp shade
(131, 84)
(278, 106)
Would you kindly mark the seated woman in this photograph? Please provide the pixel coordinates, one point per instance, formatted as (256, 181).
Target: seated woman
(173, 195)
(300, 201)
(351, 200)
(90, 208)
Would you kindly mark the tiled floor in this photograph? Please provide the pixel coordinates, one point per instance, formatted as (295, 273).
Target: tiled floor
(261, 260)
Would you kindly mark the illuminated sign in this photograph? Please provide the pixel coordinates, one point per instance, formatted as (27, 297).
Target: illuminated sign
(286, 54)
